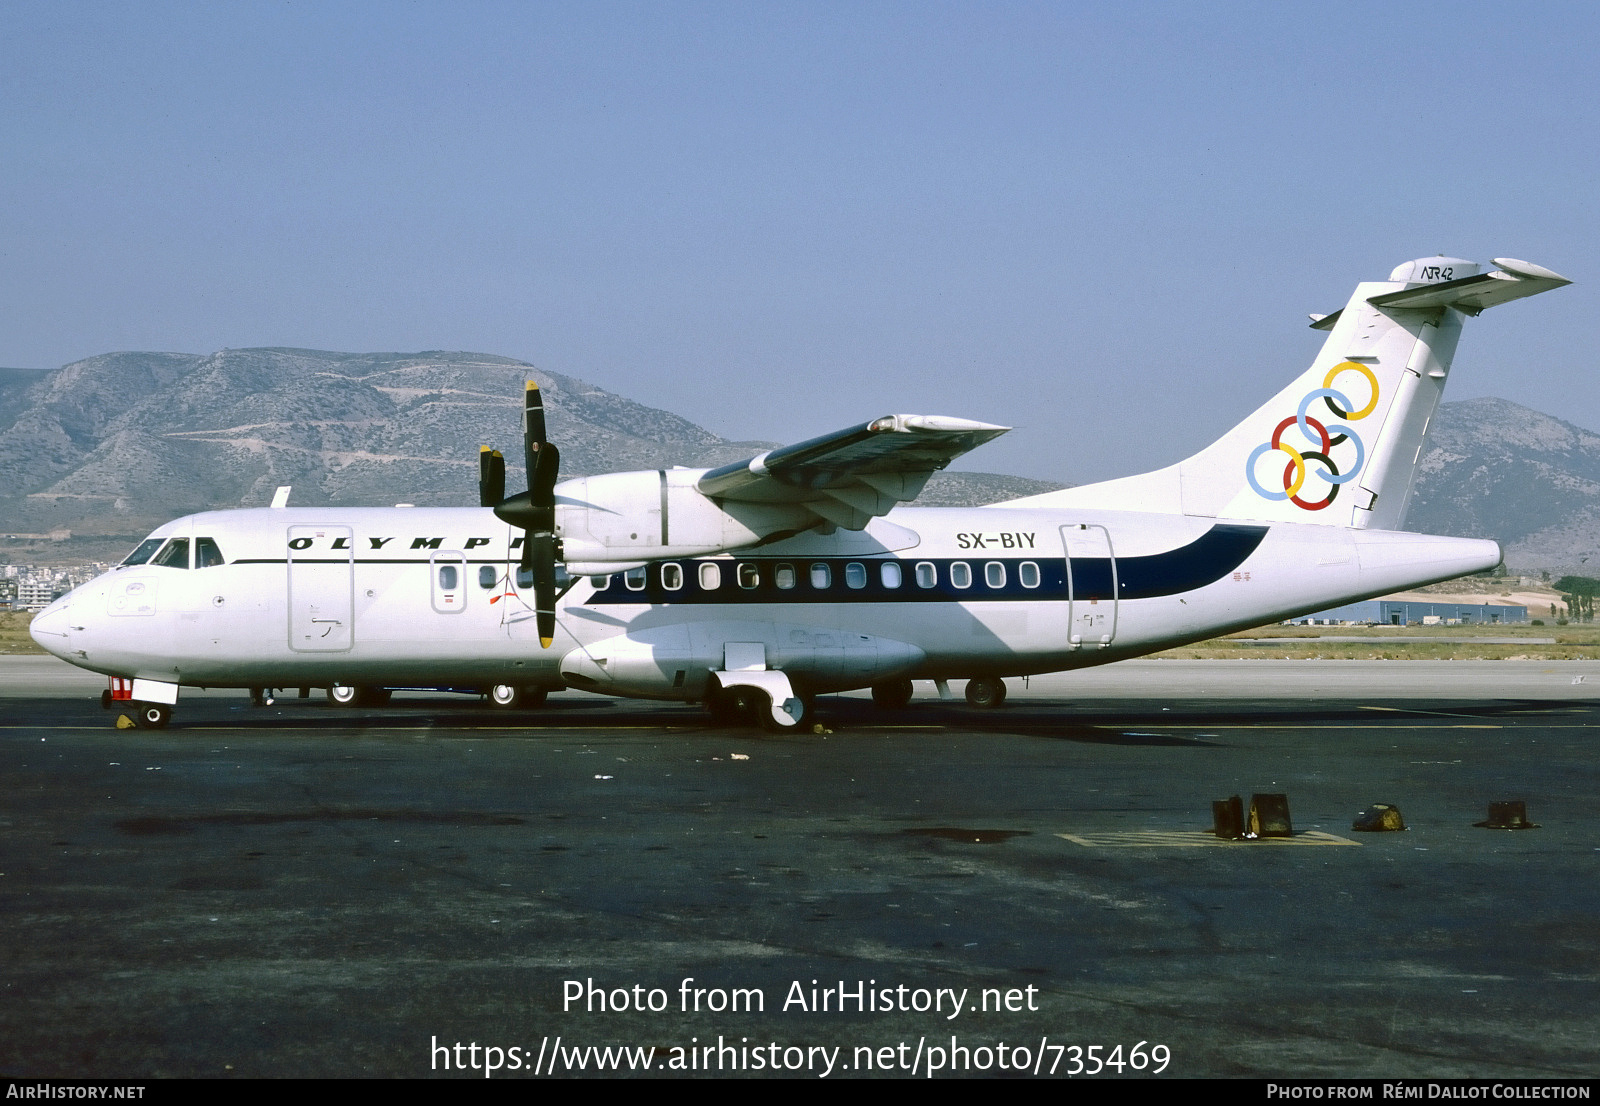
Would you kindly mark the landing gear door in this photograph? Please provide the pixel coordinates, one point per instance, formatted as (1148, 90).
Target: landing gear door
(1091, 585)
(321, 589)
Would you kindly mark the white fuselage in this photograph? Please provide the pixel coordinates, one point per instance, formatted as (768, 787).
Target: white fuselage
(428, 597)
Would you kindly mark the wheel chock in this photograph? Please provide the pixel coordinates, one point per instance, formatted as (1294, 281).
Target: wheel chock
(1269, 817)
(126, 723)
(1511, 815)
(1378, 818)
(1227, 818)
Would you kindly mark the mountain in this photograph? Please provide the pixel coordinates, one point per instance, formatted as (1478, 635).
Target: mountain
(13, 383)
(1494, 469)
(121, 442)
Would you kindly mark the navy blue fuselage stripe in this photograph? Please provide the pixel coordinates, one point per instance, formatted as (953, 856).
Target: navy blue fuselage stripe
(1203, 561)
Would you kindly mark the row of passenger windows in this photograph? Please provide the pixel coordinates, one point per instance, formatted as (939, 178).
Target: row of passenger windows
(174, 553)
(820, 575)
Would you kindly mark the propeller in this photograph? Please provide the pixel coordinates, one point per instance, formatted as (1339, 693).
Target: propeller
(491, 477)
(533, 511)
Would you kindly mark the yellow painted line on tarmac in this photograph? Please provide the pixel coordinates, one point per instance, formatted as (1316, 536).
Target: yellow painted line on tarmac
(1413, 710)
(1168, 839)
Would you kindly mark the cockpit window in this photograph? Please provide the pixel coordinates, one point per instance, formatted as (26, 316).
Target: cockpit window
(142, 554)
(175, 554)
(206, 553)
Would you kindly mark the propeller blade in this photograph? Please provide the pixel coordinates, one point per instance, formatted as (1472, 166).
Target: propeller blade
(491, 477)
(532, 413)
(542, 475)
(543, 555)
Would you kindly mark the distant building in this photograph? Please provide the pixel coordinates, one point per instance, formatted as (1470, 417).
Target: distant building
(1395, 612)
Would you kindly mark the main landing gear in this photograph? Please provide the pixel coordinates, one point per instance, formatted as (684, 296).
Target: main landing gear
(892, 695)
(516, 697)
(741, 705)
(346, 695)
(986, 691)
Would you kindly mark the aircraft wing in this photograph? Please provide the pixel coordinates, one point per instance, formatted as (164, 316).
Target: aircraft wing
(852, 476)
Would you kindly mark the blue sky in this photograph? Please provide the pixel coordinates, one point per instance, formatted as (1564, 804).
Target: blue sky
(1103, 224)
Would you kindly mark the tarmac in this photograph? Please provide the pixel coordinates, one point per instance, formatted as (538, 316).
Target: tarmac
(304, 890)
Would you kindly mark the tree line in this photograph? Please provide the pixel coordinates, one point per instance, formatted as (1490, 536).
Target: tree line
(1578, 592)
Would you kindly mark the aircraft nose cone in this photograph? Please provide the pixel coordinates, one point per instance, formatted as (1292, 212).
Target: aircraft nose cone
(50, 628)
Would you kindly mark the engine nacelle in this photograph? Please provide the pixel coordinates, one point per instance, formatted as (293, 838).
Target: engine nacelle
(625, 518)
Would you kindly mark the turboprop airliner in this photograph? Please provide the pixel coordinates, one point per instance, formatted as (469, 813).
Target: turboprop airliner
(760, 584)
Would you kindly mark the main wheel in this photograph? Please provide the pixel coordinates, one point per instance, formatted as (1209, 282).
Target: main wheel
(151, 716)
(986, 691)
(515, 696)
(726, 706)
(892, 695)
(808, 713)
(344, 695)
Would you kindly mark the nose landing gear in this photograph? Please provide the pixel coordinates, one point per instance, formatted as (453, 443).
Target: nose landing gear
(151, 716)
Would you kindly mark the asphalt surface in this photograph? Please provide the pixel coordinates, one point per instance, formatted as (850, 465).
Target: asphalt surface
(303, 890)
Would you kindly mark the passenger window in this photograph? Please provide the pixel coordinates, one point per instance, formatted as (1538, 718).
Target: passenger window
(601, 583)
(175, 555)
(487, 576)
(1028, 574)
(634, 579)
(961, 574)
(890, 574)
(672, 576)
(524, 578)
(927, 575)
(448, 576)
(783, 576)
(994, 574)
(710, 576)
(855, 575)
(749, 575)
(821, 576)
(206, 554)
(142, 554)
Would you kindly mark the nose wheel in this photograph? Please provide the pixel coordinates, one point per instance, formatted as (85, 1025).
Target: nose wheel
(151, 716)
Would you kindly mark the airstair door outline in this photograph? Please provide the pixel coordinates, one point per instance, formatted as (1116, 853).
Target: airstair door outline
(1091, 585)
(321, 589)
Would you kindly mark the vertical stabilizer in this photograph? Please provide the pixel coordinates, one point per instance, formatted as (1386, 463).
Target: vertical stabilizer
(1340, 445)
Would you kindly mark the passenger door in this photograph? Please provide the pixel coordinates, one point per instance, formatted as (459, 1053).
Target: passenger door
(321, 589)
(1091, 585)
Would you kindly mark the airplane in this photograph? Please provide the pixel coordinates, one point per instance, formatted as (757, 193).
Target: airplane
(757, 585)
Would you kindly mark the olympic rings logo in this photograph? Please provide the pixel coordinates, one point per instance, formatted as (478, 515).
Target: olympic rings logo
(1320, 438)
